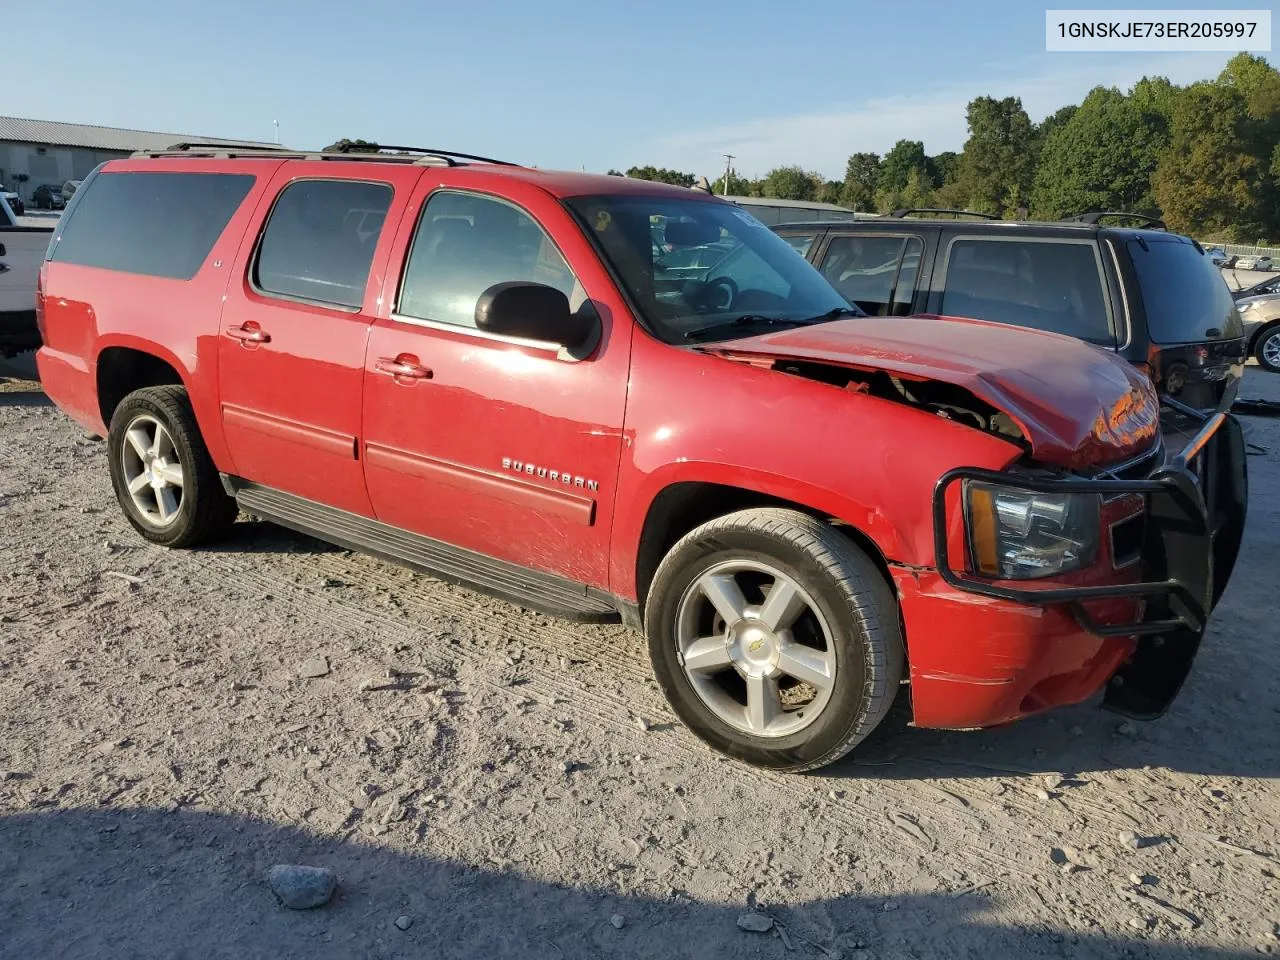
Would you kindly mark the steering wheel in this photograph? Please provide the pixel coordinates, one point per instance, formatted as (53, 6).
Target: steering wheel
(708, 298)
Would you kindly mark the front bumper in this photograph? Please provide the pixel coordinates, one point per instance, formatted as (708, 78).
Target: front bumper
(1195, 505)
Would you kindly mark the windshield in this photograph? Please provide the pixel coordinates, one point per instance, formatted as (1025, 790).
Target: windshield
(703, 270)
(1184, 295)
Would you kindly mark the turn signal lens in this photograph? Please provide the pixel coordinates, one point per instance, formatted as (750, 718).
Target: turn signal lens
(982, 530)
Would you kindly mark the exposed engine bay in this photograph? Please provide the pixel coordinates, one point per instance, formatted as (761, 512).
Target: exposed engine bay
(941, 399)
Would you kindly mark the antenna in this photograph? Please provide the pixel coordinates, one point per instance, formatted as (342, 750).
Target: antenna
(276, 124)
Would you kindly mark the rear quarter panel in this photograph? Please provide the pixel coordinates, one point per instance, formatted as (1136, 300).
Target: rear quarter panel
(89, 310)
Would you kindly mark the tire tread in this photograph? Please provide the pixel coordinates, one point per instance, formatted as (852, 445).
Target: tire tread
(213, 511)
(855, 576)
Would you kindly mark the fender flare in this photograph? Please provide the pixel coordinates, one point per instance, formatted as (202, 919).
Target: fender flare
(204, 402)
(866, 521)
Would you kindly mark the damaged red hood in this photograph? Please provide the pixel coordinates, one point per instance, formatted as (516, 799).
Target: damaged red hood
(1076, 404)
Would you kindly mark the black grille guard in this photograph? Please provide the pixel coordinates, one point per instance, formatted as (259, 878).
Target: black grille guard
(1196, 503)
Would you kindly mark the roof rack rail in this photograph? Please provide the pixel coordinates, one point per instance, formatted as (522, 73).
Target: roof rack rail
(1096, 216)
(377, 148)
(909, 211)
(198, 145)
(361, 151)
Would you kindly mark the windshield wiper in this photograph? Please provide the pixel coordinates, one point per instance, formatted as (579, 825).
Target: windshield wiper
(746, 320)
(836, 314)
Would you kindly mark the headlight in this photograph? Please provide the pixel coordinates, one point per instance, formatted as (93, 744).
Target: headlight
(1019, 535)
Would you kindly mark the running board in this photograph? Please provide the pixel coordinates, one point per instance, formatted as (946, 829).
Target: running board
(543, 592)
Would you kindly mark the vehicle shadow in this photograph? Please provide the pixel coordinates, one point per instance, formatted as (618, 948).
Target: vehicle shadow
(21, 367)
(24, 398)
(251, 535)
(144, 883)
(1212, 729)
(1204, 733)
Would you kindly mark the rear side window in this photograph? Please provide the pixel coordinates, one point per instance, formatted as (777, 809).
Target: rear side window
(1183, 294)
(1046, 285)
(154, 224)
(799, 242)
(878, 273)
(319, 241)
(465, 244)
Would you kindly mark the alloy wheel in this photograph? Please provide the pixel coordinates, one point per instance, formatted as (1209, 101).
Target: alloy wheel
(153, 472)
(755, 648)
(1271, 349)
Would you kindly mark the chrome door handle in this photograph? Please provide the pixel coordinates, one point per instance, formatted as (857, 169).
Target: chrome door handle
(249, 333)
(402, 366)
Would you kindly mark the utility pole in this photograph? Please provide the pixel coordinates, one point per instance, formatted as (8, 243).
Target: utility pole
(728, 168)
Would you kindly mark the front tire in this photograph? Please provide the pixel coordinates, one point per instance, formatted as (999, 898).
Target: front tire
(1267, 349)
(775, 638)
(162, 473)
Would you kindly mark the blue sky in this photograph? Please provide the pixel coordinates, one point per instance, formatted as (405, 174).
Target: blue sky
(567, 84)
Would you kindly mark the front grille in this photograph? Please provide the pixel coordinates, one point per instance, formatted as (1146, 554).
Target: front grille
(1137, 468)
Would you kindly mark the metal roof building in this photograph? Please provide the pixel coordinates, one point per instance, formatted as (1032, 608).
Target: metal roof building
(35, 152)
(771, 210)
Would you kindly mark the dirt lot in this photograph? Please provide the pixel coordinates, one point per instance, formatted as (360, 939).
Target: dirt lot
(516, 787)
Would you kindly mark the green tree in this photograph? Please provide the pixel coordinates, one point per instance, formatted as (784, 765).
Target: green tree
(860, 176)
(1211, 179)
(662, 175)
(943, 168)
(951, 196)
(738, 186)
(918, 192)
(790, 183)
(1055, 120)
(830, 190)
(1102, 158)
(1155, 97)
(998, 163)
(351, 146)
(1259, 84)
(1257, 81)
(895, 169)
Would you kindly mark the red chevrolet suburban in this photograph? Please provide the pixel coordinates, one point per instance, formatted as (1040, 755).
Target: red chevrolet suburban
(479, 370)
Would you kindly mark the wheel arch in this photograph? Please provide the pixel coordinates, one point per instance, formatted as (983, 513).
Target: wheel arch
(124, 363)
(121, 368)
(1257, 335)
(682, 505)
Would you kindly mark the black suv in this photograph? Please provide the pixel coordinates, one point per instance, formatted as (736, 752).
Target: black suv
(1152, 296)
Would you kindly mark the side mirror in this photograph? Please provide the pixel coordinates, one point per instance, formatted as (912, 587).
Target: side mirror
(2, 250)
(534, 311)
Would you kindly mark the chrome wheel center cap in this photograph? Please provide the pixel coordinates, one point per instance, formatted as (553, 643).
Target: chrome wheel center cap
(753, 646)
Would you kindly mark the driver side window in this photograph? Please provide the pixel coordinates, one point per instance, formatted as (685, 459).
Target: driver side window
(464, 244)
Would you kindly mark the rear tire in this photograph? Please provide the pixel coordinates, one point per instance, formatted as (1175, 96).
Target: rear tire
(775, 605)
(1267, 349)
(162, 473)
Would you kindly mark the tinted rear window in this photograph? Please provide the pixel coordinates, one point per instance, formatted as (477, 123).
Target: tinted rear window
(154, 224)
(318, 245)
(1053, 285)
(1183, 293)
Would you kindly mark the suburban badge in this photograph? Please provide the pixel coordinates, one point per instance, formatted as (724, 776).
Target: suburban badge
(563, 477)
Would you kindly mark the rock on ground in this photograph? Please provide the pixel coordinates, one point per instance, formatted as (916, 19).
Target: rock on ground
(302, 888)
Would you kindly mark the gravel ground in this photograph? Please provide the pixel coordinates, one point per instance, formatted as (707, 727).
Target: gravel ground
(491, 783)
